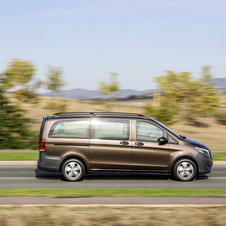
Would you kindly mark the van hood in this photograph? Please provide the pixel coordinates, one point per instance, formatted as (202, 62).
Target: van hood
(196, 143)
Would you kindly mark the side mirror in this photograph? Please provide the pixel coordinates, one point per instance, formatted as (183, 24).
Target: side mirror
(162, 141)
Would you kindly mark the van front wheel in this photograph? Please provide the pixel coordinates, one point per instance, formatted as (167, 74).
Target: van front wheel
(185, 170)
(73, 170)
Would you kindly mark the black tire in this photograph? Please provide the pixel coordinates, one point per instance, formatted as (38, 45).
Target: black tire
(185, 170)
(73, 170)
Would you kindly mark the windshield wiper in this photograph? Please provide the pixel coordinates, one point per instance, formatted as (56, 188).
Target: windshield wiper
(182, 136)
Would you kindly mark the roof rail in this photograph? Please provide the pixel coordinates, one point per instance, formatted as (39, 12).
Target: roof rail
(97, 113)
(72, 113)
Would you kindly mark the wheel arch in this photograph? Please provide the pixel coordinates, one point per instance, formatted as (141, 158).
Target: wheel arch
(184, 157)
(74, 157)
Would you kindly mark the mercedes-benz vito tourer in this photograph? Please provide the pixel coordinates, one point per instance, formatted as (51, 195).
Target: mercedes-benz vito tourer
(76, 143)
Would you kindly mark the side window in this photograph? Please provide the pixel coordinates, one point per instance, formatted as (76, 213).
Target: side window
(148, 132)
(171, 140)
(70, 129)
(110, 129)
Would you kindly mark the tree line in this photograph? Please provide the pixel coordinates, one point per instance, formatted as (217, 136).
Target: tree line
(180, 93)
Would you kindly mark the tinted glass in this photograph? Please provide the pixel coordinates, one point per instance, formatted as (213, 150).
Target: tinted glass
(148, 132)
(171, 140)
(165, 127)
(111, 129)
(70, 129)
(41, 130)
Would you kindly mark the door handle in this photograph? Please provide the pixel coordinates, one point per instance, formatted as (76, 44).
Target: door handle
(139, 144)
(124, 142)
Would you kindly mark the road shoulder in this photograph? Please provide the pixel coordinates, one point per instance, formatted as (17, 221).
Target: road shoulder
(109, 201)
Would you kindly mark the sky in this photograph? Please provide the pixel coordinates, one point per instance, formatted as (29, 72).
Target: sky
(137, 39)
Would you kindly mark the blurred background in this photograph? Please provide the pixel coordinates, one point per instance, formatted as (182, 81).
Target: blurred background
(164, 59)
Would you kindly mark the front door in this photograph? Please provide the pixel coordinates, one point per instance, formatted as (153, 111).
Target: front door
(110, 144)
(147, 154)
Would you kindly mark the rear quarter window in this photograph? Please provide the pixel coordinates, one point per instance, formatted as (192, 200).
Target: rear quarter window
(70, 129)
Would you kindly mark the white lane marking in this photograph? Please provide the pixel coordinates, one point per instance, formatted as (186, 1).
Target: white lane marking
(218, 178)
(17, 178)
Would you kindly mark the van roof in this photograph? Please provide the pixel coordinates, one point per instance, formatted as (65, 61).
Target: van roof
(89, 114)
(97, 113)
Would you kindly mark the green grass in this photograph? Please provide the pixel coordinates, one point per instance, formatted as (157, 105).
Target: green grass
(97, 192)
(20, 156)
(219, 156)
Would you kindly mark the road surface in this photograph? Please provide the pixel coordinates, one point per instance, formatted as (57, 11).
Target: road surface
(31, 177)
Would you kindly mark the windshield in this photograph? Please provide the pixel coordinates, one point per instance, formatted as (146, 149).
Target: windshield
(165, 127)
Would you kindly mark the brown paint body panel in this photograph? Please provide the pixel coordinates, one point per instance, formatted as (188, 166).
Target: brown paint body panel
(150, 156)
(110, 154)
(64, 147)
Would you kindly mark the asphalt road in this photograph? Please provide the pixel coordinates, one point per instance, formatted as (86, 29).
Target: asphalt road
(31, 177)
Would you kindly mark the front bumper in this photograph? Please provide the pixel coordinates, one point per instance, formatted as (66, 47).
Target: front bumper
(204, 163)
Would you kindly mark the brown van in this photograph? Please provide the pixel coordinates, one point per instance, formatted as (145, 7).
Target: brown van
(77, 143)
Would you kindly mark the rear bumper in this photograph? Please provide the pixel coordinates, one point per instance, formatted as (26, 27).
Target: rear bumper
(204, 163)
(49, 163)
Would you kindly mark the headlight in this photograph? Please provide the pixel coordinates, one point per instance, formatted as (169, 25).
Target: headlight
(203, 151)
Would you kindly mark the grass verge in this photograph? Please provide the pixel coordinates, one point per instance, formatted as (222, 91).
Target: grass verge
(23, 156)
(219, 156)
(99, 192)
(18, 156)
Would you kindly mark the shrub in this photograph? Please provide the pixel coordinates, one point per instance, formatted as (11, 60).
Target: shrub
(14, 130)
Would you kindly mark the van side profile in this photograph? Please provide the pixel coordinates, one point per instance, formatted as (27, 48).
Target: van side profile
(76, 143)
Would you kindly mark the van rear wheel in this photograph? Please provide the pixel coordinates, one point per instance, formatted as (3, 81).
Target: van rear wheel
(185, 170)
(73, 170)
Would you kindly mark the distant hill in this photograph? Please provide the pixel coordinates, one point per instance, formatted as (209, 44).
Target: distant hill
(220, 83)
(93, 94)
(85, 94)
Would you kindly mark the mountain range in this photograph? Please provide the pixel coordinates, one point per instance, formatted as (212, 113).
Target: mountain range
(78, 93)
(94, 94)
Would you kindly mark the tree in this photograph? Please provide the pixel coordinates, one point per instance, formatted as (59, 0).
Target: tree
(165, 113)
(18, 75)
(110, 88)
(14, 130)
(209, 98)
(54, 83)
(199, 95)
(54, 80)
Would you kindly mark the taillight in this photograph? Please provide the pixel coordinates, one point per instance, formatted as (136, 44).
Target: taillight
(42, 146)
